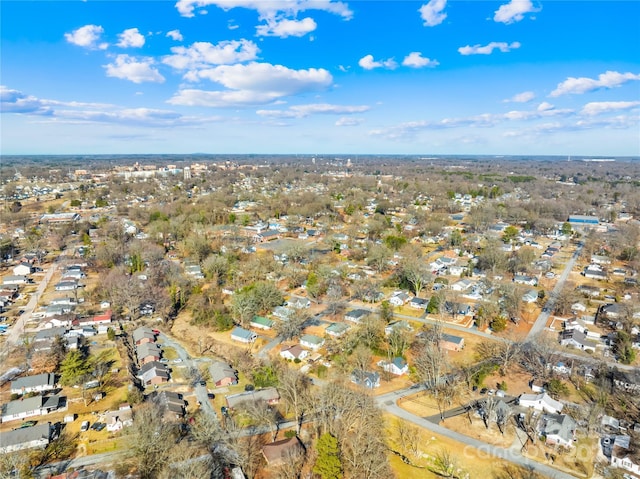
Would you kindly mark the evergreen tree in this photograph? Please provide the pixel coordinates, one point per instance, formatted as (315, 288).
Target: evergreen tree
(328, 465)
(74, 368)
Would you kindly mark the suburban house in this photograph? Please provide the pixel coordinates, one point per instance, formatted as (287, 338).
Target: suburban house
(293, 352)
(454, 308)
(311, 341)
(356, 315)
(336, 329)
(223, 374)
(32, 406)
(242, 335)
(559, 429)
(279, 452)
(15, 280)
(418, 303)
(261, 322)
(104, 318)
(70, 285)
(462, 284)
(530, 296)
(269, 395)
(540, 402)
(298, 303)
(450, 342)
(366, 379)
(397, 366)
(400, 325)
(23, 269)
(153, 372)
(594, 272)
(399, 298)
(171, 403)
(37, 436)
(36, 383)
(143, 335)
(577, 339)
(283, 313)
(117, 420)
(147, 352)
(524, 279)
(621, 457)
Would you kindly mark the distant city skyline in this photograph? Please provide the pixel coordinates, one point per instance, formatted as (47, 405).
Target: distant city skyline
(320, 77)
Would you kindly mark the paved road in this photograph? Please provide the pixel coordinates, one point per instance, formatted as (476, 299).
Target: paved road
(202, 395)
(543, 317)
(105, 458)
(15, 334)
(479, 448)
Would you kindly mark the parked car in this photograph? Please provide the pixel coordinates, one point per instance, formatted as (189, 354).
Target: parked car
(98, 426)
(85, 426)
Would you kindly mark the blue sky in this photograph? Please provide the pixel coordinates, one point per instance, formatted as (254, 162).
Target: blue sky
(321, 77)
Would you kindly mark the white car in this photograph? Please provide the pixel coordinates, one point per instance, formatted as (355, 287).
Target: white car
(85, 426)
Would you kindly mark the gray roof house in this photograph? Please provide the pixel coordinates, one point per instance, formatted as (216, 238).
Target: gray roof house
(143, 335)
(311, 341)
(28, 407)
(269, 395)
(243, 335)
(223, 374)
(356, 315)
(367, 379)
(26, 438)
(336, 329)
(35, 383)
(559, 429)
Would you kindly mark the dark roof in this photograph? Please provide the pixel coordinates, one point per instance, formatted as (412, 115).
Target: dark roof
(279, 450)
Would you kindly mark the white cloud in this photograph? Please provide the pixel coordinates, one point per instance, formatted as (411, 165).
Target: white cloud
(545, 106)
(302, 111)
(432, 13)
(131, 37)
(609, 79)
(349, 121)
(416, 60)
(175, 35)
(14, 101)
(488, 49)
(513, 11)
(524, 97)
(368, 63)
(251, 84)
(601, 107)
(268, 7)
(205, 54)
(284, 28)
(87, 37)
(136, 70)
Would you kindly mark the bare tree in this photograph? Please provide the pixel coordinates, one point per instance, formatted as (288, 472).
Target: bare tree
(152, 440)
(447, 464)
(294, 389)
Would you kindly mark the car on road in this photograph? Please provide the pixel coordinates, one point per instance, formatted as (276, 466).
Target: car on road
(164, 360)
(85, 426)
(203, 383)
(177, 360)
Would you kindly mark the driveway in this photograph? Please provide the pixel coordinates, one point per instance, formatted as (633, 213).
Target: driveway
(202, 395)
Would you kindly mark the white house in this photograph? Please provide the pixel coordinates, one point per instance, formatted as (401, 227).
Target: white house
(397, 366)
(298, 302)
(29, 407)
(312, 342)
(243, 335)
(14, 280)
(559, 429)
(23, 269)
(399, 298)
(540, 402)
(620, 456)
(293, 352)
(117, 420)
(37, 436)
(35, 383)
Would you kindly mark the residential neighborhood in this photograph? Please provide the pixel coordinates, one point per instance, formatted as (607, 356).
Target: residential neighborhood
(254, 307)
